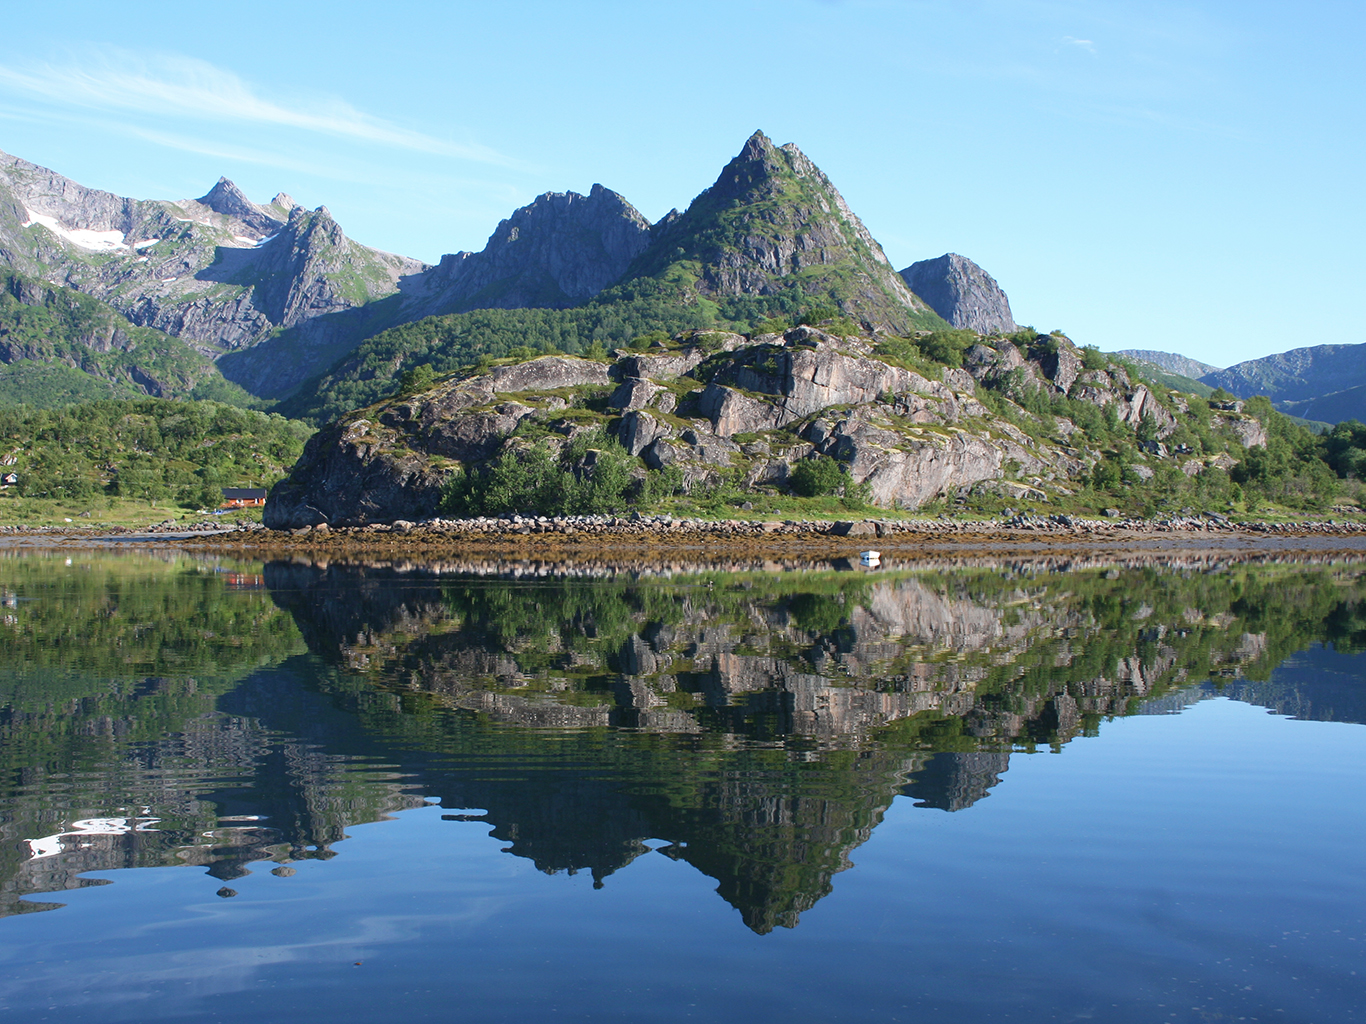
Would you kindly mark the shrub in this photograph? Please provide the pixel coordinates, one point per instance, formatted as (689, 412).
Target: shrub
(946, 347)
(415, 379)
(813, 477)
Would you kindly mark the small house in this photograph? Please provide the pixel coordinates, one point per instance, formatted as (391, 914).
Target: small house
(243, 497)
(8, 479)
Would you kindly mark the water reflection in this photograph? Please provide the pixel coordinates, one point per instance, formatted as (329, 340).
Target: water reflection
(757, 723)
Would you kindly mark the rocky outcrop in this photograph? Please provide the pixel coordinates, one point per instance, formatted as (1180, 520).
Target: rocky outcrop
(748, 411)
(560, 250)
(962, 293)
(764, 407)
(386, 465)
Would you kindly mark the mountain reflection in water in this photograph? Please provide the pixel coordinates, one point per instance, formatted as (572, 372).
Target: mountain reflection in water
(759, 723)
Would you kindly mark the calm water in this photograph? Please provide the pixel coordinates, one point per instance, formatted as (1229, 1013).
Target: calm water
(993, 791)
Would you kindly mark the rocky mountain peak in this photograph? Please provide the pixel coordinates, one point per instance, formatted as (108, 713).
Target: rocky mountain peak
(962, 293)
(229, 200)
(559, 250)
(755, 166)
(773, 223)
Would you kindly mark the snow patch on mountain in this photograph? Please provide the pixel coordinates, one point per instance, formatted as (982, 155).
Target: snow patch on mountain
(94, 241)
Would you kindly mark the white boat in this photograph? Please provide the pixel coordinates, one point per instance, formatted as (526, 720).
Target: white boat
(870, 557)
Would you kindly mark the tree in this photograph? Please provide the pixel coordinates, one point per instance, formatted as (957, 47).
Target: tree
(813, 477)
(418, 378)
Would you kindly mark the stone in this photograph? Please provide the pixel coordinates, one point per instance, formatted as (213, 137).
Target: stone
(633, 393)
(546, 373)
(1063, 365)
(661, 367)
(962, 293)
(1249, 432)
(732, 412)
(639, 430)
(854, 529)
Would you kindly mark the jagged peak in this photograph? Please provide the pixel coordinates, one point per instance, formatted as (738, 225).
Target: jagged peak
(226, 198)
(757, 147)
(284, 201)
(760, 162)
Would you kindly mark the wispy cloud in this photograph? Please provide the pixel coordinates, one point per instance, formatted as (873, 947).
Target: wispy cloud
(184, 87)
(1082, 44)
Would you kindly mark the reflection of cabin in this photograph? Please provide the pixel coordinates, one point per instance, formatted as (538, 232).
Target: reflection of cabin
(243, 497)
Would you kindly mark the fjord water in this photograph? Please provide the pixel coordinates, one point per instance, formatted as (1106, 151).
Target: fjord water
(998, 790)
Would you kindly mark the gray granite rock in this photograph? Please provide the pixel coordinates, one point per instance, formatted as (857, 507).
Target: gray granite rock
(962, 293)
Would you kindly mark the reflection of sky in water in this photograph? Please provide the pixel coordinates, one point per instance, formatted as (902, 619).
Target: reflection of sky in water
(1197, 859)
(1180, 859)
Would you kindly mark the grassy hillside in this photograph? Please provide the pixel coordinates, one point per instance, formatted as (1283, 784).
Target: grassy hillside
(53, 385)
(106, 356)
(151, 450)
(1174, 381)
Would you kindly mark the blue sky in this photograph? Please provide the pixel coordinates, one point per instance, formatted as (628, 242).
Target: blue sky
(1180, 176)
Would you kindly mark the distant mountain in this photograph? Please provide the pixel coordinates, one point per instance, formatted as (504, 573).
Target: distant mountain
(219, 272)
(962, 293)
(1181, 365)
(1300, 375)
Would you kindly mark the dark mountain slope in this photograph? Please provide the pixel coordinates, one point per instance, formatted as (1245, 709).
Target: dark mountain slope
(1301, 381)
(962, 293)
(59, 346)
(559, 251)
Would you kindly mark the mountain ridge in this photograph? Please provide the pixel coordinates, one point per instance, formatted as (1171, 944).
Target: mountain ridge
(277, 295)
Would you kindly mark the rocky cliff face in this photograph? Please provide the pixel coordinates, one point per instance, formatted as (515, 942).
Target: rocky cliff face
(557, 252)
(774, 224)
(962, 293)
(219, 272)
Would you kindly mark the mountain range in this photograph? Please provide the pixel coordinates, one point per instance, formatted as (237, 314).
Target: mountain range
(225, 297)
(1321, 383)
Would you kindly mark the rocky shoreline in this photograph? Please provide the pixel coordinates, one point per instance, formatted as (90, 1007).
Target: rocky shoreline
(602, 530)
